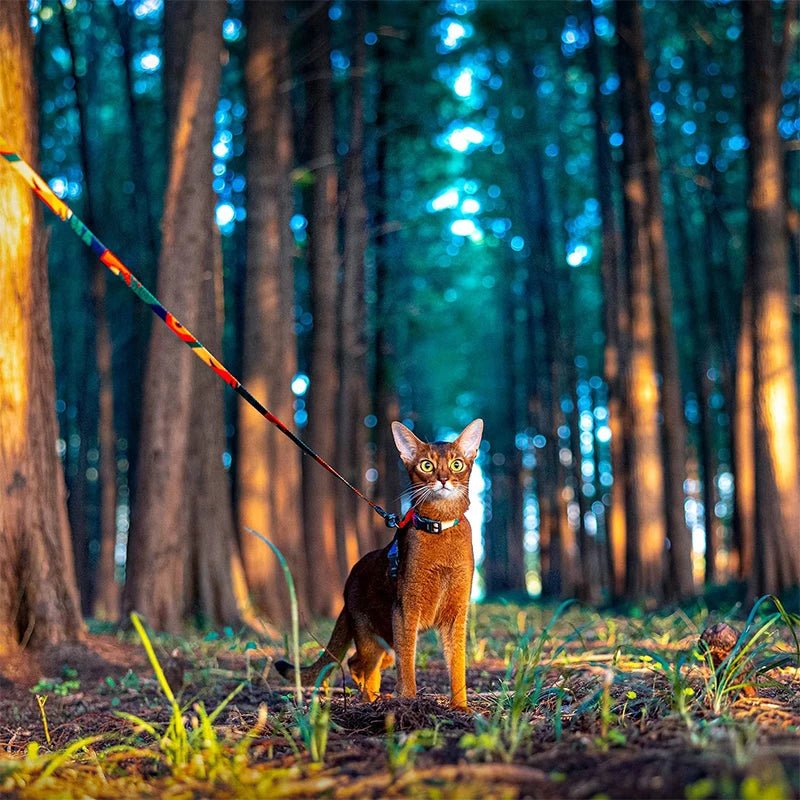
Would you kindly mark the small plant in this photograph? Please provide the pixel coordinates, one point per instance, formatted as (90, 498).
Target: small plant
(751, 657)
(196, 746)
(509, 727)
(315, 723)
(61, 687)
(402, 748)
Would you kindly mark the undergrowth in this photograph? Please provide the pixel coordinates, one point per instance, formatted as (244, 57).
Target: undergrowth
(564, 679)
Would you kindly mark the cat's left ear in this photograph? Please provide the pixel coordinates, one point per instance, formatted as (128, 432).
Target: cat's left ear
(469, 440)
(407, 444)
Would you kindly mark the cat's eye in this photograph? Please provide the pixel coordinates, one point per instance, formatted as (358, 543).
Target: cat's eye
(426, 466)
(457, 465)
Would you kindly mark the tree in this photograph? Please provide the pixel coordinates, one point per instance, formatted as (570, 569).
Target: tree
(354, 519)
(615, 326)
(158, 552)
(269, 476)
(323, 260)
(38, 594)
(647, 531)
(777, 454)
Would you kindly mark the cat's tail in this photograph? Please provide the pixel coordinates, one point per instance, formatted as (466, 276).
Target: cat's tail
(335, 651)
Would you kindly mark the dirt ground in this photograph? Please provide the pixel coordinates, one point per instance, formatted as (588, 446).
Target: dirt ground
(751, 751)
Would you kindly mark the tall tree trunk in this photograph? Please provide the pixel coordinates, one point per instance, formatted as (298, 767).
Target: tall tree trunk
(269, 474)
(504, 562)
(391, 480)
(353, 515)
(323, 256)
(38, 595)
(777, 448)
(701, 337)
(106, 595)
(158, 545)
(673, 431)
(647, 531)
(213, 565)
(616, 325)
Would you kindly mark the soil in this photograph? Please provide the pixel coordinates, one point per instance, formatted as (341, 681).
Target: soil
(654, 754)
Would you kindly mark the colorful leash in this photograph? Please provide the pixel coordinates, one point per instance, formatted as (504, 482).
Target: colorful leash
(43, 191)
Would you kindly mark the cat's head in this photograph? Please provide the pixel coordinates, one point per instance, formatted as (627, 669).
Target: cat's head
(439, 471)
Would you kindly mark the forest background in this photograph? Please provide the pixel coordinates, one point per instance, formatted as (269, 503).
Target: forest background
(575, 220)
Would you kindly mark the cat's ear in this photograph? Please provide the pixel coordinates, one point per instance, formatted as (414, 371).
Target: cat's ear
(469, 440)
(407, 444)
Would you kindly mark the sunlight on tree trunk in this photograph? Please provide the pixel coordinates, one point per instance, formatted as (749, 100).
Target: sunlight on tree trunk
(38, 595)
(319, 493)
(158, 544)
(268, 466)
(777, 449)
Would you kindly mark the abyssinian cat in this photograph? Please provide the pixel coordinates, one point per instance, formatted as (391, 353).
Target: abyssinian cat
(433, 577)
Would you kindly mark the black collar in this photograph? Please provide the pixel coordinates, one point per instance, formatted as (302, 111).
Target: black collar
(433, 525)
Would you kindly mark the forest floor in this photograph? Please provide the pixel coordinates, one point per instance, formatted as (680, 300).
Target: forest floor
(564, 704)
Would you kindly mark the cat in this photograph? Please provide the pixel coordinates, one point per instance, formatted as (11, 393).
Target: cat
(433, 579)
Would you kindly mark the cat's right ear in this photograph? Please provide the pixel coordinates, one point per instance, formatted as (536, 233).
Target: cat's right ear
(407, 444)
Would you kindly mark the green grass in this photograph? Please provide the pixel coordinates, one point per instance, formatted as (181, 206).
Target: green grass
(563, 679)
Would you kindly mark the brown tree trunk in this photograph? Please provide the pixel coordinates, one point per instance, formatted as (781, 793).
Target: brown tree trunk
(744, 458)
(777, 450)
(107, 592)
(354, 520)
(616, 325)
(647, 533)
(38, 596)
(319, 491)
(269, 478)
(158, 546)
(212, 558)
(106, 595)
(673, 431)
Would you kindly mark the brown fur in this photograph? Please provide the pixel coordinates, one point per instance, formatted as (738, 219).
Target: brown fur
(433, 586)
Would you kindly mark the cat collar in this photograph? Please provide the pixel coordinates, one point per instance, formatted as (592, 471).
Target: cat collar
(421, 524)
(433, 525)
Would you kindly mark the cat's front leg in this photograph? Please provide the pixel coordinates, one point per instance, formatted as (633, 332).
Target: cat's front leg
(454, 644)
(405, 623)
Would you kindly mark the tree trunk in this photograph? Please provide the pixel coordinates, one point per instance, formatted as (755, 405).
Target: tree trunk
(646, 540)
(106, 595)
(744, 457)
(673, 430)
(504, 562)
(269, 477)
(777, 451)
(158, 545)
(38, 596)
(213, 566)
(325, 577)
(354, 520)
(616, 325)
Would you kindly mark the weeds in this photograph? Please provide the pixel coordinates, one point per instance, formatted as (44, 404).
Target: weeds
(751, 657)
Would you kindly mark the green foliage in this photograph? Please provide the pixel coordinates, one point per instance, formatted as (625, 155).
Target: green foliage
(509, 726)
(752, 656)
(65, 685)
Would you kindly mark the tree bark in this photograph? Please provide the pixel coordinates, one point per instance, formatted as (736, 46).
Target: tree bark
(213, 566)
(104, 600)
(777, 449)
(38, 595)
(353, 515)
(269, 475)
(616, 324)
(158, 545)
(319, 492)
(647, 531)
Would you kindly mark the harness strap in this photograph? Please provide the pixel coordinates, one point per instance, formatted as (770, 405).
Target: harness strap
(420, 523)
